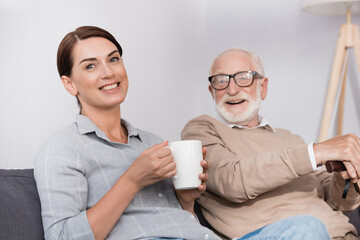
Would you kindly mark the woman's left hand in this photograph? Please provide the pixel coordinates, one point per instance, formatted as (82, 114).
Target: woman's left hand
(187, 197)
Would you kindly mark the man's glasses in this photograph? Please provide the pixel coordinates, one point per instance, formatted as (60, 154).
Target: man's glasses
(242, 79)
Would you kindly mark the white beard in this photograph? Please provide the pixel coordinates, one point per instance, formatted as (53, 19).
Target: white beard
(239, 117)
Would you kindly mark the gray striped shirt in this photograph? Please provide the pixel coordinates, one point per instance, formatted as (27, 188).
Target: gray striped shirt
(79, 164)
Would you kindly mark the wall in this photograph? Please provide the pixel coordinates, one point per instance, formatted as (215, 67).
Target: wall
(168, 48)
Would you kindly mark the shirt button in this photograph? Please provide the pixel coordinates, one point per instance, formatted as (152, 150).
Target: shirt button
(160, 195)
(207, 236)
(192, 217)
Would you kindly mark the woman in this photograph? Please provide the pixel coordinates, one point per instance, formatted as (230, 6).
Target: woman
(100, 177)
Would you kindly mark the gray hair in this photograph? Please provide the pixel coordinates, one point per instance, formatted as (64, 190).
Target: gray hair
(256, 60)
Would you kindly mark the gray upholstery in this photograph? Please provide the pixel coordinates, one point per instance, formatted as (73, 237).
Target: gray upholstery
(20, 212)
(355, 219)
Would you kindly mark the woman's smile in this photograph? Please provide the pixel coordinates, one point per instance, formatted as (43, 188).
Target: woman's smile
(109, 87)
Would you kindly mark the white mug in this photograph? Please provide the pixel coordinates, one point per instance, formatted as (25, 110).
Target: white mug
(187, 156)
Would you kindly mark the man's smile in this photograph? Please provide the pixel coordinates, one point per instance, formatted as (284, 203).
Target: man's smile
(235, 102)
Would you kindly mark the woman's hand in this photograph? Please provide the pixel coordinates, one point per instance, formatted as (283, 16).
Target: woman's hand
(152, 165)
(187, 197)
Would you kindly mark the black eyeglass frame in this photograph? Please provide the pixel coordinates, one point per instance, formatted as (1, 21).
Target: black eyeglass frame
(253, 73)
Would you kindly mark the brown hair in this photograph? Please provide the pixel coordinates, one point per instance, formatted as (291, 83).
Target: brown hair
(64, 54)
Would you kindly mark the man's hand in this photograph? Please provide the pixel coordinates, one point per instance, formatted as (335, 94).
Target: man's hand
(344, 148)
(187, 197)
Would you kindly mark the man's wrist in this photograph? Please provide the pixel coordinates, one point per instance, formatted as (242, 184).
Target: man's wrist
(312, 157)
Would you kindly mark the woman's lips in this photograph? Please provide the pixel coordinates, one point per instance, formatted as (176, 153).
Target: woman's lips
(109, 87)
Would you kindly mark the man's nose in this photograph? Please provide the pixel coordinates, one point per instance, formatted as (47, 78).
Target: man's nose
(233, 88)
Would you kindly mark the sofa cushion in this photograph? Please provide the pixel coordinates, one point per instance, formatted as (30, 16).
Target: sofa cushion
(20, 212)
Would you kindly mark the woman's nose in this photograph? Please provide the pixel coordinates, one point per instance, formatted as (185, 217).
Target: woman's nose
(107, 71)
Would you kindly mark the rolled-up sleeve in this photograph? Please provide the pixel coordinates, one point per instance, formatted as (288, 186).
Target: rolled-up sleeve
(63, 191)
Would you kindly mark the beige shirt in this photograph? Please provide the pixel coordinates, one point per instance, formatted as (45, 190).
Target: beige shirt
(258, 176)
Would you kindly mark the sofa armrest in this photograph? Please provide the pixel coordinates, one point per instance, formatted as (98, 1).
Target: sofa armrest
(20, 211)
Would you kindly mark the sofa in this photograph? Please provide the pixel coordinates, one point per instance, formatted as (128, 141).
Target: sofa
(20, 210)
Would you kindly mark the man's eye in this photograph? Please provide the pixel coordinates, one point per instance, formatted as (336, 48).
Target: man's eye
(114, 59)
(221, 79)
(90, 66)
(243, 77)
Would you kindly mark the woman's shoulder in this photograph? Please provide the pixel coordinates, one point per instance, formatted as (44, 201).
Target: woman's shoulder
(58, 143)
(59, 155)
(64, 135)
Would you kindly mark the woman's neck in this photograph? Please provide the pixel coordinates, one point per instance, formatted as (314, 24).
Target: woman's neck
(109, 121)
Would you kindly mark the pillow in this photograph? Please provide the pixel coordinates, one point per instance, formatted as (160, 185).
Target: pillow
(20, 211)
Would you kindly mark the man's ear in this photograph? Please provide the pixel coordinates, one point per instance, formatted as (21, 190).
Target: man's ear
(69, 85)
(211, 90)
(264, 88)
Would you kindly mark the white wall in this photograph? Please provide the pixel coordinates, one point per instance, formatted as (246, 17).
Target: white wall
(168, 47)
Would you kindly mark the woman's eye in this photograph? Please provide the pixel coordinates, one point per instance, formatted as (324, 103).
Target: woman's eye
(114, 59)
(90, 66)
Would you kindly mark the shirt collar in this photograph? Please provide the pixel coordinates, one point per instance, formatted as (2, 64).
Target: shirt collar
(85, 126)
(263, 124)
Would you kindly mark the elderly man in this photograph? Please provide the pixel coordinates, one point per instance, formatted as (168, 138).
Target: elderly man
(259, 174)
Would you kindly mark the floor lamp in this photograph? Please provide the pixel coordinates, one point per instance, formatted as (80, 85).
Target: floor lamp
(349, 37)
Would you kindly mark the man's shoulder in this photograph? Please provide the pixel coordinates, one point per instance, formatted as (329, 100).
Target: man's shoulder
(287, 133)
(204, 119)
(204, 122)
(202, 127)
(283, 131)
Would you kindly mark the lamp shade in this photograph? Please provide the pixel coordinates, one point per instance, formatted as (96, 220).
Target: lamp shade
(331, 7)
